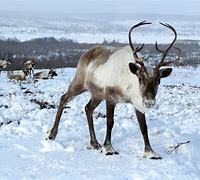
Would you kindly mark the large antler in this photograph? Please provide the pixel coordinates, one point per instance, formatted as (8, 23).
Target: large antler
(137, 49)
(165, 52)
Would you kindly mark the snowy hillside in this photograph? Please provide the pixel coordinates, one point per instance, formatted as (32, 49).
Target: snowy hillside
(25, 154)
(92, 28)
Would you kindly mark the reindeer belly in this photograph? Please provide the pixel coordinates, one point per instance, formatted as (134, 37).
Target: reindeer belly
(110, 93)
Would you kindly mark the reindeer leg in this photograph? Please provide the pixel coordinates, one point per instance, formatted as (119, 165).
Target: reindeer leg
(32, 71)
(148, 151)
(89, 109)
(107, 146)
(73, 91)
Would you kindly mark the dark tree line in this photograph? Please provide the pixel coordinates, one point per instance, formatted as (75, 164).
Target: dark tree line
(56, 53)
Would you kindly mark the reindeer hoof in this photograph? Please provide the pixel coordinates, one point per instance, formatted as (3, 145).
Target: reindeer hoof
(52, 134)
(111, 153)
(150, 154)
(108, 150)
(94, 145)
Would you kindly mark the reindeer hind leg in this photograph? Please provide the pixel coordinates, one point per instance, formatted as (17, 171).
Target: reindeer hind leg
(74, 90)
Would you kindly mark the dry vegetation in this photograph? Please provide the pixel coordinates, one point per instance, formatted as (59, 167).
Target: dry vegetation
(53, 53)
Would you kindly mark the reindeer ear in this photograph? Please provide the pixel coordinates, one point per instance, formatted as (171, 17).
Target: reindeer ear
(133, 68)
(165, 72)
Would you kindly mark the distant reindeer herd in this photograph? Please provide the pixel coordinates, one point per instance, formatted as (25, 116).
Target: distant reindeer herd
(27, 70)
(116, 75)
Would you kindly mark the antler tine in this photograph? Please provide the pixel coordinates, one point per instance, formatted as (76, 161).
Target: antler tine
(137, 49)
(179, 53)
(165, 51)
(170, 62)
(158, 49)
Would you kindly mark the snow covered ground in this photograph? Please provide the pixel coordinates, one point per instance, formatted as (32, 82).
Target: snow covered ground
(25, 154)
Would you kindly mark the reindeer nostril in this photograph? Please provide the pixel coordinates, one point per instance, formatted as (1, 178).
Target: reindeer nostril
(149, 102)
(145, 102)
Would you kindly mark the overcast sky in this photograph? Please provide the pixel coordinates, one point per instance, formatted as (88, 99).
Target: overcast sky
(181, 7)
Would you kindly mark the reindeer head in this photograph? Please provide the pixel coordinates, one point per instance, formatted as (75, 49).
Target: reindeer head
(52, 73)
(25, 72)
(149, 77)
(33, 62)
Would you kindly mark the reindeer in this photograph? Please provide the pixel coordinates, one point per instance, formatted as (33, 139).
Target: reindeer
(48, 74)
(4, 63)
(117, 76)
(29, 66)
(17, 75)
